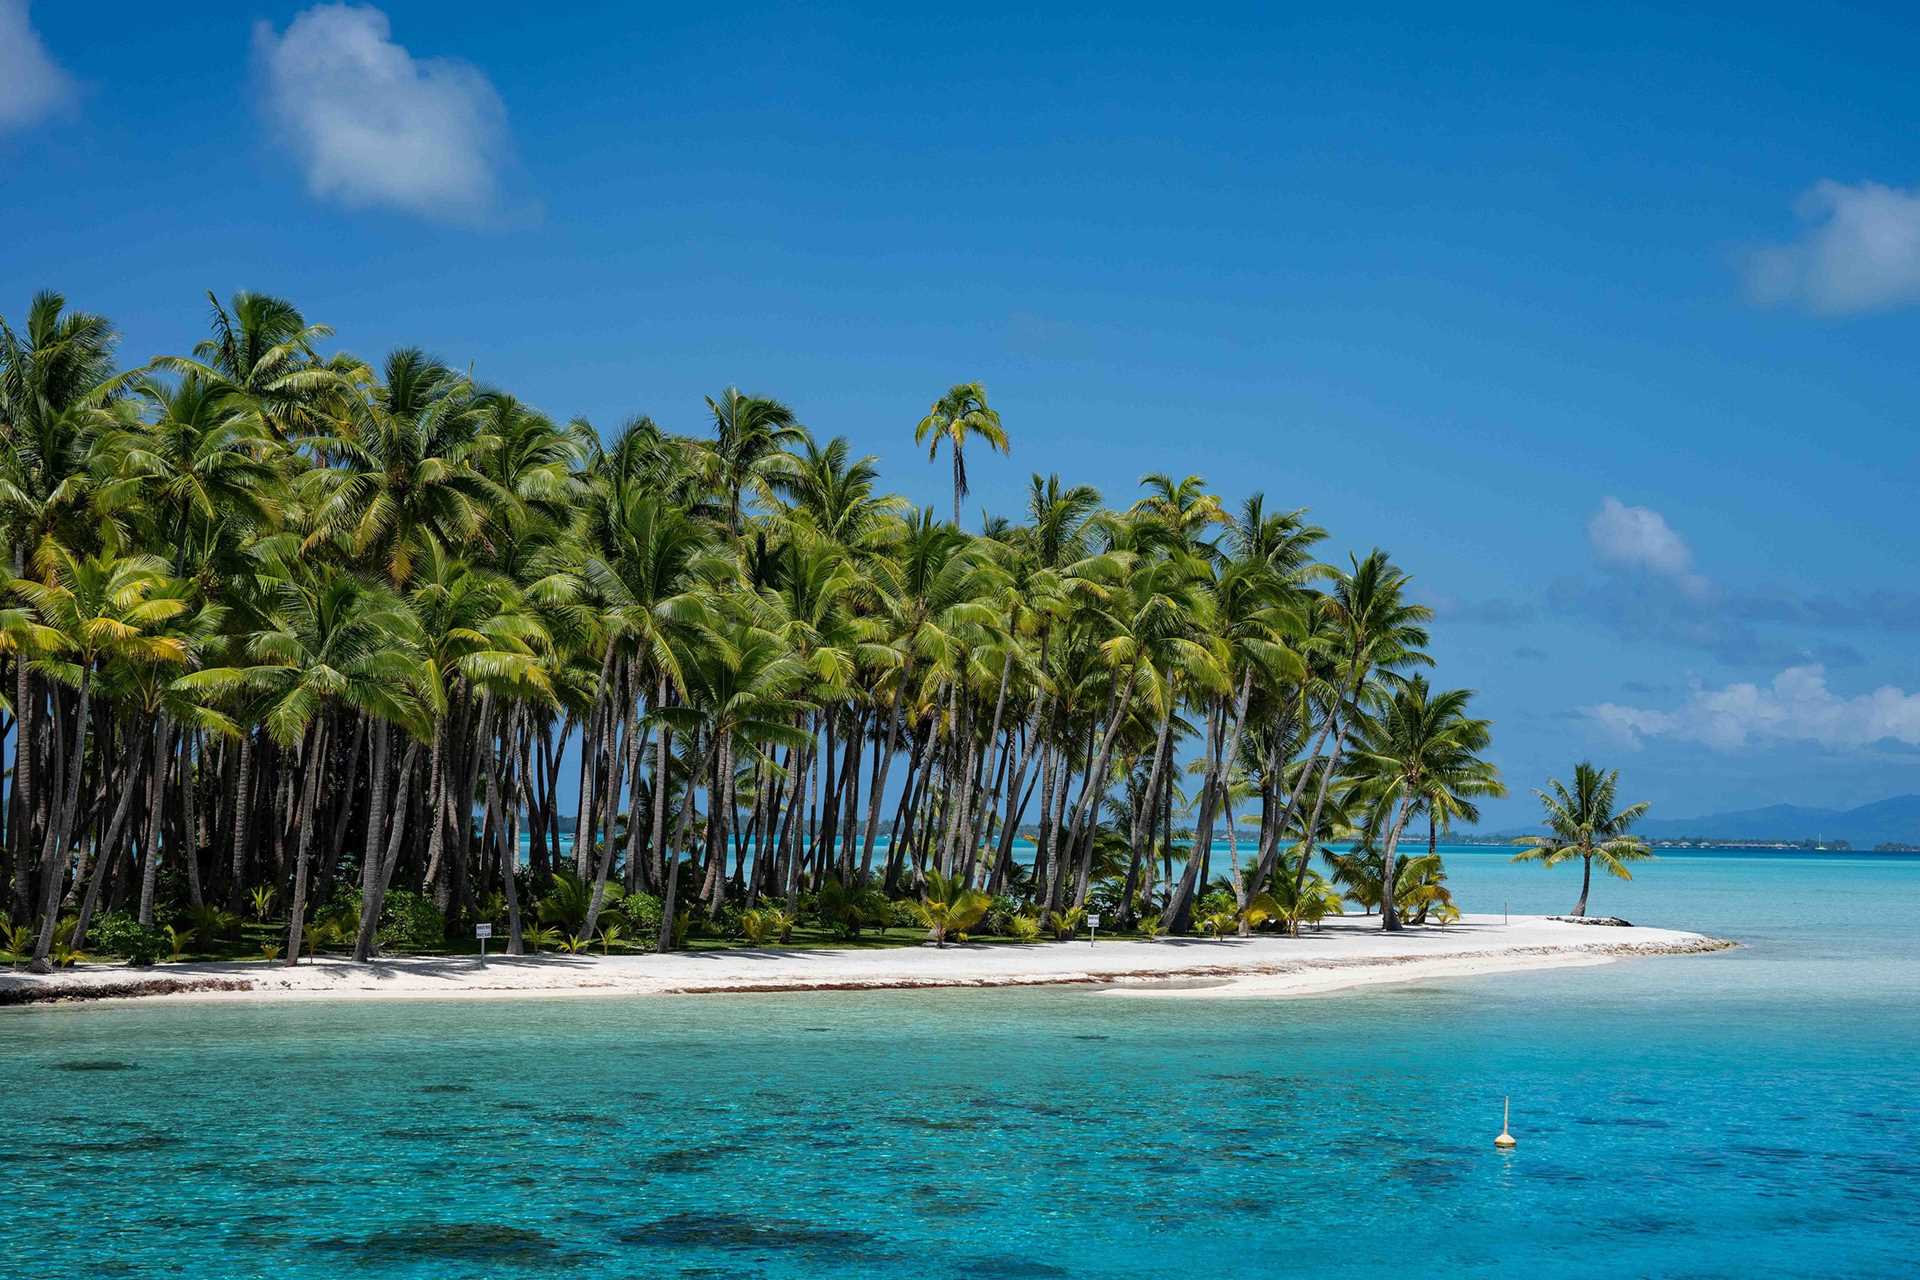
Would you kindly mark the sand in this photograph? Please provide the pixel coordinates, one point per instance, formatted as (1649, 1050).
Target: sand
(1348, 952)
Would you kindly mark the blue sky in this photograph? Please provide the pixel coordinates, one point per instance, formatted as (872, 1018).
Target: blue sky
(1604, 323)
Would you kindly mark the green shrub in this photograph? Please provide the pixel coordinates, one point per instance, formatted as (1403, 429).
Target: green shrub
(117, 933)
(642, 914)
(1024, 928)
(999, 917)
(1215, 903)
(409, 919)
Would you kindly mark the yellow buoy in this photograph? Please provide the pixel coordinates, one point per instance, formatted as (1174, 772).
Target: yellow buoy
(1505, 1140)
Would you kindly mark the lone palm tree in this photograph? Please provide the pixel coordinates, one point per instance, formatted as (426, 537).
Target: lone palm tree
(1585, 825)
(960, 413)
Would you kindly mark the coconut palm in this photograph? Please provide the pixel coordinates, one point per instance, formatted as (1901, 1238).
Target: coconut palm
(1413, 752)
(750, 454)
(1583, 823)
(961, 413)
(403, 481)
(93, 608)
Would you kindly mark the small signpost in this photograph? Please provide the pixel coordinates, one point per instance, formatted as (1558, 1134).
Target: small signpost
(1093, 927)
(483, 932)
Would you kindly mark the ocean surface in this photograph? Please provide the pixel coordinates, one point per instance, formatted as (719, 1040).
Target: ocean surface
(1753, 1113)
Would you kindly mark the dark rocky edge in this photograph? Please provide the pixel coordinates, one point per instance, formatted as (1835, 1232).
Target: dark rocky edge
(53, 993)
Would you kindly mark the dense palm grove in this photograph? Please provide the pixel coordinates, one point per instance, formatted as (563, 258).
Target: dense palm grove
(303, 639)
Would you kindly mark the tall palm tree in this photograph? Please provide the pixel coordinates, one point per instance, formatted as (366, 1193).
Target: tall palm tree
(100, 607)
(962, 412)
(1582, 823)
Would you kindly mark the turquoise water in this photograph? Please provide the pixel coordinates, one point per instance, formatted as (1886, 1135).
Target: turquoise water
(1748, 1114)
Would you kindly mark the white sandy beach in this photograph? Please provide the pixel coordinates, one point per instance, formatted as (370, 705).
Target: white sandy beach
(1348, 952)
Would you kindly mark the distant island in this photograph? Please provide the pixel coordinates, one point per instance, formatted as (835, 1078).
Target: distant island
(1885, 826)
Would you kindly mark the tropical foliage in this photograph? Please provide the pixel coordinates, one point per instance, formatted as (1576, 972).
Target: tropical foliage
(291, 638)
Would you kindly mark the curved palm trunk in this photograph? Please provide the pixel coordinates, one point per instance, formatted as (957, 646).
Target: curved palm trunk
(1095, 787)
(1310, 832)
(1269, 857)
(1143, 813)
(242, 814)
(1389, 912)
(1586, 884)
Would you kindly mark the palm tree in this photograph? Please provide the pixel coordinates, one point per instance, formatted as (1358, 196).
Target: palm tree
(960, 413)
(98, 607)
(950, 906)
(1418, 745)
(404, 479)
(260, 358)
(57, 386)
(749, 453)
(1582, 823)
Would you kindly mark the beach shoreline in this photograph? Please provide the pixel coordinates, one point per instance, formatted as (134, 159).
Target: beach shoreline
(1349, 952)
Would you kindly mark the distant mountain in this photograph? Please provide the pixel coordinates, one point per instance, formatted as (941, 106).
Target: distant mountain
(1895, 820)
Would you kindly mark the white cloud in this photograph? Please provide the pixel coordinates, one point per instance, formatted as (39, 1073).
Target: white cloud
(1862, 252)
(31, 82)
(373, 125)
(1797, 706)
(1640, 538)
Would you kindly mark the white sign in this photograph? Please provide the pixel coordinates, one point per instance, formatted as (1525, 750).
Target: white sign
(483, 931)
(1094, 921)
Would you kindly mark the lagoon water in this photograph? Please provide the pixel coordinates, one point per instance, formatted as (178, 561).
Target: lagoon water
(1753, 1113)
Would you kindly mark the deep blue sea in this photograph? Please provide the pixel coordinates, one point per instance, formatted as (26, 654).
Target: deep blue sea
(1753, 1113)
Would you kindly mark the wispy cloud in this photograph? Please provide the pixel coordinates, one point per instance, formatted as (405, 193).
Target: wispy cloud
(371, 124)
(1640, 539)
(1796, 706)
(1861, 252)
(32, 84)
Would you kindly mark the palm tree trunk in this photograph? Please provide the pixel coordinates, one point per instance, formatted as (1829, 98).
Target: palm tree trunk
(636, 745)
(108, 851)
(959, 482)
(242, 812)
(372, 890)
(1310, 833)
(309, 789)
(664, 942)
(1389, 912)
(1586, 883)
(1270, 856)
(1180, 908)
